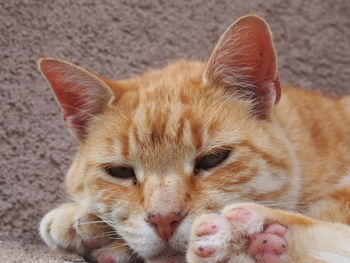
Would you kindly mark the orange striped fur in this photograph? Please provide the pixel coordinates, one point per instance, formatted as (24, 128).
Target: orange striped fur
(295, 157)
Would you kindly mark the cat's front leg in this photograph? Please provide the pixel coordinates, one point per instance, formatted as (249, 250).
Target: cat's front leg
(70, 228)
(250, 233)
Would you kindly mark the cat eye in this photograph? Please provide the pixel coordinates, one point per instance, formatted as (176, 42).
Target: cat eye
(211, 160)
(121, 172)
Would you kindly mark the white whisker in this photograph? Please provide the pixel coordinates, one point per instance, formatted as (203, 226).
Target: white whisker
(115, 247)
(92, 222)
(80, 110)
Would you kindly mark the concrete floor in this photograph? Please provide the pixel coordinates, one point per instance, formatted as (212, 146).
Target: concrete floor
(15, 252)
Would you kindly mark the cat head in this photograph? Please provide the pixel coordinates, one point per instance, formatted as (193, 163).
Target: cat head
(157, 150)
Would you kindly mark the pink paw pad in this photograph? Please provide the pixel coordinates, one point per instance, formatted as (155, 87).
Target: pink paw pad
(105, 257)
(276, 229)
(94, 243)
(269, 245)
(241, 215)
(206, 228)
(205, 251)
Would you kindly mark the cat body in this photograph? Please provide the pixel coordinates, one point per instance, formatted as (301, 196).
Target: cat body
(189, 158)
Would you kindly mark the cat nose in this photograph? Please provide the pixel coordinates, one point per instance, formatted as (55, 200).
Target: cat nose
(165, 224)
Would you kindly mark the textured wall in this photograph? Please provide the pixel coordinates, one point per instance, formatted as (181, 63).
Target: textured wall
(118, 39)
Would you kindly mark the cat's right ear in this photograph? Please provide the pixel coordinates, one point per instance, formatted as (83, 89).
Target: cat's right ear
(244, 62)
(81, 94)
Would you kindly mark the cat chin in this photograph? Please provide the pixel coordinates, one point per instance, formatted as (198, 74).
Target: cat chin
(178, 244)
(152, 249)
(173, 253)
(179, 240)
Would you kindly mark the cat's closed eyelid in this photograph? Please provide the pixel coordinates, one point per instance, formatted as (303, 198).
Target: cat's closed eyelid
(121, 172)
(211, 160)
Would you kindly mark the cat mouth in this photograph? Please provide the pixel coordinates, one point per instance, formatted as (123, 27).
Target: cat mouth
(175, 250)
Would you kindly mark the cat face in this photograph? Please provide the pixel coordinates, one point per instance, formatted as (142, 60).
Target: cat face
(158, 150)
(162, 132)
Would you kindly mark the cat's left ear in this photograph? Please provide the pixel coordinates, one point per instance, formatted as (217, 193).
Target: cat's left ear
(81, 94)
(244, 61)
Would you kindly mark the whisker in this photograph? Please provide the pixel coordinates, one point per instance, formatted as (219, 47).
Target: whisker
(65, 195)
(117, 238)
(92, 222)
(115, 247)
(297, 207)
(108, 222)
(110, 234)
(80, 110)
(134, 254)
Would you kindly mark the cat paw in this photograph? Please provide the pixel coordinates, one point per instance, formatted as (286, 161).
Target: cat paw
(242, 233)
(70, 229)
(269, 245)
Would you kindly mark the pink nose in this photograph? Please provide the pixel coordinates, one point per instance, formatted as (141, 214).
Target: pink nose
(165, 224)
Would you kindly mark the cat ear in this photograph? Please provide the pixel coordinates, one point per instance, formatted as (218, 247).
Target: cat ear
(244, 60)
(81, 94)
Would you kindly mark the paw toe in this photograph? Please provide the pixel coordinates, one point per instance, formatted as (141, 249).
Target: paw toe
(246, 221)
(240, 215)
(267, 243)
(268, 246)
(95, 243)
(276, 229)
(106, 258)
(205, 251)
(207, 228)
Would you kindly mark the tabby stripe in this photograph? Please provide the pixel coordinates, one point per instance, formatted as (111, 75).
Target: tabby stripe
(271, 195)
(124, 140)
(197, 134)
(266, 156)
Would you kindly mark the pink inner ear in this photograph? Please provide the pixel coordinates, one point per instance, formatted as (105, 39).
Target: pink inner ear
(80, 94)
(70, 96)
(258, 58)
(246, 56)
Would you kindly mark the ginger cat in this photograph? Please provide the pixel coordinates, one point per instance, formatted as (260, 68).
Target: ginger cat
(203, 162)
